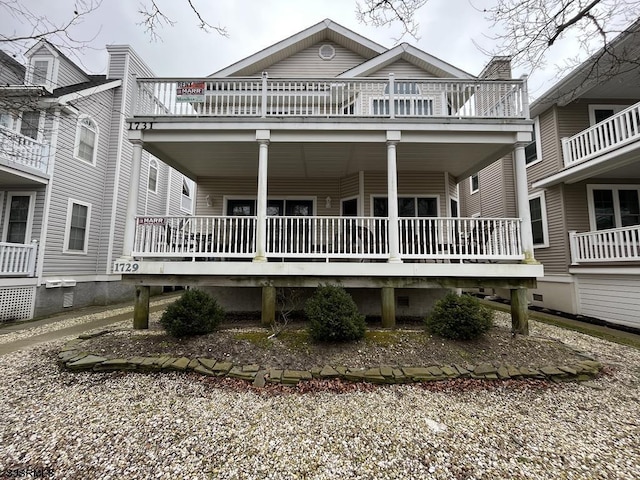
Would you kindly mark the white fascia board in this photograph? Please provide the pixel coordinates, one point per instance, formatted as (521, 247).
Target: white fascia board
(88, 91)
(297, 38)
(408, 52)
(42, 43)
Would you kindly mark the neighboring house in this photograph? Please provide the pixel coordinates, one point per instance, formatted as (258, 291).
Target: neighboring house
(584, 187)
(65, 167)
(329, 158)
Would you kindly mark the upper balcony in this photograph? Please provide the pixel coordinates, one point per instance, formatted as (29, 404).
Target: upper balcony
(22, 156)
(335, 98)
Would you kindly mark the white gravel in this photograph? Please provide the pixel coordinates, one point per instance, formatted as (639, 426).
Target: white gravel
(170, 426)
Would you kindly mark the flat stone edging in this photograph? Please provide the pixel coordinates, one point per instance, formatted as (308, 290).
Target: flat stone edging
(73, 358)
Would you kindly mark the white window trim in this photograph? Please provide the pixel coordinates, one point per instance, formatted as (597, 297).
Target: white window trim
(76, 145)
(616, 201)
(593, 107)
(18, 125)
(348, 199)
(471, 190)
(545, 225)
(536, 126)
(449, 212)
(153, 163)
(67, 228)
(406, 195)
(52, 70)
(7, 208)
(192, 195)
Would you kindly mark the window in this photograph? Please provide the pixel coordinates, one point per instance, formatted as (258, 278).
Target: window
(19, 215)
(241, 208)
(599, 113)
(77, 229)
(407, 207)
(407, 101)
(30, 124)
(531, 151)
(152, 185)
(613, 206)
(40, 74)
(86, 140)
(538, 210)
(186, 202)
(475, 183)
(6, 120)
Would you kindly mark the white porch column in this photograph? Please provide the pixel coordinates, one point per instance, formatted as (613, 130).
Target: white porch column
(132, 201)
(262, 136)
(522, 195)
(393, 137)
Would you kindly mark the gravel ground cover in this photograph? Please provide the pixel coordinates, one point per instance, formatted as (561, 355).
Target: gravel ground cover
(139, 426)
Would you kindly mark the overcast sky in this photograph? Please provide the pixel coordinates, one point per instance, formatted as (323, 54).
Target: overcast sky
(448, 29)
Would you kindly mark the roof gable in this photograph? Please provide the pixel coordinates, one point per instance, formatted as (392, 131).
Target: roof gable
(55, 52)
(325, 30)
(433, 65)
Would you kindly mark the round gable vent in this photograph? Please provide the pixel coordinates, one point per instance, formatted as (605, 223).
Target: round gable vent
(327, 52)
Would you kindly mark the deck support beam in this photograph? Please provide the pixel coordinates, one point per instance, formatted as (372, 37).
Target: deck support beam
(519, 311)
(388, 301)
(524, 212)
(141, 308)
(268, 305)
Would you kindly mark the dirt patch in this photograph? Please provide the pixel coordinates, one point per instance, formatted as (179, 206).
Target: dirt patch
(409, 345)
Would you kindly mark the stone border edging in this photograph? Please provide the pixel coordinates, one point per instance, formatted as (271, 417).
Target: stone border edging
(73, 358)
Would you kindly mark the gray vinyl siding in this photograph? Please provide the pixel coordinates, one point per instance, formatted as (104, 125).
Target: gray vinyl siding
(350, 186)
(551, 150)
(307, 63)
(556, 257)
(80, 181)
(576, 207)
(9, 77)
(175, 194)
(401, 69)
(491, 182)
(68, 74)
(510, 209)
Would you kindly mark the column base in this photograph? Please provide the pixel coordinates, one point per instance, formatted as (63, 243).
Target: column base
(259, 259)
(394, 260)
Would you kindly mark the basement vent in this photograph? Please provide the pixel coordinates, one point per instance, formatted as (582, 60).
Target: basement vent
(16, 303)
(402, 301)
(481, 290)
(327, 52)
(67, 300)
(537, 297)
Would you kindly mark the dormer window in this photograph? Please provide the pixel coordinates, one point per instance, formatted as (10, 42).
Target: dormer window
(41, 71)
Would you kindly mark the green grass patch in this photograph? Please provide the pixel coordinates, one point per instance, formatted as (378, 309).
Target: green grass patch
(382, 338)
(296, 339)
(259, 339)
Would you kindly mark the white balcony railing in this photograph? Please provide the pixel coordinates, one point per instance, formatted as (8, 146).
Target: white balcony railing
(327, 238)
(612, 245)
(22, 150)
(342, 98)
(614, 132)
(461, 238)
(17, 259)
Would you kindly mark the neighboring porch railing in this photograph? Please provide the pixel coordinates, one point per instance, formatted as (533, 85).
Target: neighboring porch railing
(612, 245)
(17, 259)
(334, 97)
(327, 238)
(471, 239)
(23, 150)
(612, 133)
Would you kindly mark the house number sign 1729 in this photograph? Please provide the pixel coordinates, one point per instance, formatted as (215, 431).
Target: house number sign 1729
(125, 267)
(140, 125)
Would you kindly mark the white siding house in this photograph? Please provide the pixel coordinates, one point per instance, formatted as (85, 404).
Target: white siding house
(63, 168)
(329, 158)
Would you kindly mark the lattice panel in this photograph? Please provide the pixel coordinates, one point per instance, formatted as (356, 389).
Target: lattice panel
(16, 303)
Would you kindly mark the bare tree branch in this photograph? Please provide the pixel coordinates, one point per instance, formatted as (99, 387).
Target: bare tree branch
(383, 13)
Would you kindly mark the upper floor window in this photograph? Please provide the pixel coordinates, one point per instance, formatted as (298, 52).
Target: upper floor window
(186, 204)
(77, 229)
(6, 120)
(532, 151)
(539, 228)
(474, 183)
(86, 140)
(41, 74)
(599, 113)
(152, 185)
(407, 101)
(613, 206)
(30, 124)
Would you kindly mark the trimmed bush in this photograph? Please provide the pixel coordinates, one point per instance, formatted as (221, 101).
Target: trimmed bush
(459, 317)
(195, 313)
(333, 315)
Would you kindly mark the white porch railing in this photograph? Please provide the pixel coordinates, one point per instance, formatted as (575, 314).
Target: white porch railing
(461, 238)
(614, 132)
(329, 238)
(18, 259)
(334, 97)
(612, 245)
(22, 150)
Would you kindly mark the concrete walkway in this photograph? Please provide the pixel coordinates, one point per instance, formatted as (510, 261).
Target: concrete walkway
(10, 347)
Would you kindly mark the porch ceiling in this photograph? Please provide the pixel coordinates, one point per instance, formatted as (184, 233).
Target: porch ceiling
(317, 160)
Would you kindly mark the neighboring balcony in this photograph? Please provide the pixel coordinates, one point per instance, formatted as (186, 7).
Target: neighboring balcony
(22, 152)
(613, 133)
(612, 245)
(18, 260)
(331, 98)
(328, 239)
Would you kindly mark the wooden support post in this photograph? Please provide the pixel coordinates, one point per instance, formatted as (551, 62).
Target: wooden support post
(519, 311)
(268, 305)
(388, 298)
(141, 308)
